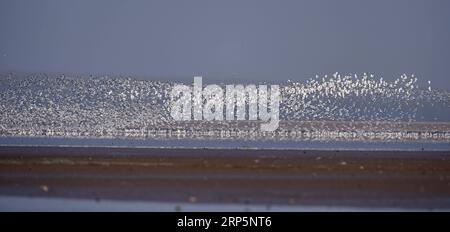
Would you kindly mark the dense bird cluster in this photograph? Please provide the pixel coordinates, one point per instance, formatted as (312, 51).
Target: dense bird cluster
(103, 106)
(363, 98)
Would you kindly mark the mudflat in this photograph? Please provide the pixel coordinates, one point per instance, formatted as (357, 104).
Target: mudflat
(403, 179)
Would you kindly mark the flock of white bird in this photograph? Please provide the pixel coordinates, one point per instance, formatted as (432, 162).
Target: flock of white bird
(355, 98)
(39, 105)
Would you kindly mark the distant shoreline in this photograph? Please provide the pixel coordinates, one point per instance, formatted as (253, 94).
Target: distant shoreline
(241, 144)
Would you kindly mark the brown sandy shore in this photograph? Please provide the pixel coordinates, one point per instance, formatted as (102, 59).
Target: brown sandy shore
(398, 179)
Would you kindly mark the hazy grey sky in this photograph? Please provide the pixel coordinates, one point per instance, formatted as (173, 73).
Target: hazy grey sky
(251, 40)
